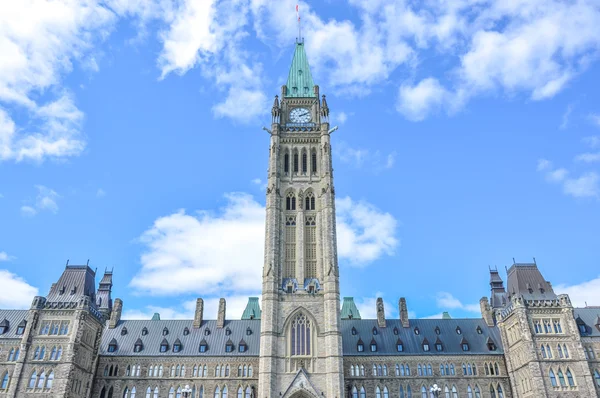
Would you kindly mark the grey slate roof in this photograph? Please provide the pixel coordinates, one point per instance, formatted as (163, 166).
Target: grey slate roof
(14, 318)
(80, 277)
(216, 340)
(589, 316)
(386, 339)
(527, 280)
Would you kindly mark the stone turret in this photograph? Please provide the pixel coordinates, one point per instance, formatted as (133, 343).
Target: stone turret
(221, 314)
(115, 315)
(486, 311)
(380, 313)
(403, 310)
(198, 314)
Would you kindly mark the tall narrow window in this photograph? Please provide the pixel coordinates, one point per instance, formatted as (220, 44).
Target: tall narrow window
(309, 201)
(354, 392)
(5, 380)
(313, 158)
(300, 335)
(377, 393)
(561, 378)
(290, 247)
(492, 391)
(310, 247)
(290, 201)
(286, 163)
(552, 378)
(304, 162)
(295, 162)
(597, 377)
(32, 380)
(363, 393)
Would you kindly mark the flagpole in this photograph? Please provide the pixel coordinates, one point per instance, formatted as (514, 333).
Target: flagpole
(299, 24)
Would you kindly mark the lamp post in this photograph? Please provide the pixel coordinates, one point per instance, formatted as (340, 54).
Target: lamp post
(435, 390)
(186, 391)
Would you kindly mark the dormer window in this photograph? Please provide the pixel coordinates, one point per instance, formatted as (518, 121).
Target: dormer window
(186, 331)
(360, 347)
(112, 346)
(396, 331)
(177, 346)
(426, 345)
(242, 347)
(73, 290)
(581, 325)
(4, 326)
(144, 331)
(399, 346)
(123, 331)
(229, 346)
(374, 331)
(139, 346)
(417, 331)
(437, 330)
(227, 331)
(165, 331)
(62, 290)
(206, 332)
(479, 331)
(439, 347)
(373, 345)
(164, 346)
(248, 331)
(203, 346)
(492, 346)
(21, 327)
(458, 331)
(464, 344)
(354, 331)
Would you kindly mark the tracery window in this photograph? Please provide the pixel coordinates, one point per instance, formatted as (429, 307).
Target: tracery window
(310, 246)
(290, 247)
(300, 335)
(290, 201)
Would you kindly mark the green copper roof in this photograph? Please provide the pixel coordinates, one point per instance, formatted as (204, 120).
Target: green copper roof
(156, 316)
(252, 310)
(349, 310)
(300, 82)
(446, 315)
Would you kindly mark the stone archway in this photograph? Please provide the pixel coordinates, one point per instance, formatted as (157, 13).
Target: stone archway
(302, 394)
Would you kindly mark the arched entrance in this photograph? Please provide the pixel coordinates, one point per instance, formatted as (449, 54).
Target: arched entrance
(302, 394)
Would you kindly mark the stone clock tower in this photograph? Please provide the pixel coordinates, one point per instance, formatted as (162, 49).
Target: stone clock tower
(301, 343)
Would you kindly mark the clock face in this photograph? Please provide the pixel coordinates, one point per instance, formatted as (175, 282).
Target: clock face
(300, 115)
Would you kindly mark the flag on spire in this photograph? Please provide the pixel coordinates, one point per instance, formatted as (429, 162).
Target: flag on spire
(299, 26)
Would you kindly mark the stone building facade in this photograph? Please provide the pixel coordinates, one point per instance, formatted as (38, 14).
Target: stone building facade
(305, 342)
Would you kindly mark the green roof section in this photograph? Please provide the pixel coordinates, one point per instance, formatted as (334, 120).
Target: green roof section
(156, 316)
(446, 315)
(300, 82)
(252, 310)
(349, 309)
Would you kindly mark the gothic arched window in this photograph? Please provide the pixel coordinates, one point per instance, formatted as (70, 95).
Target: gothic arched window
(295, 161)
(363, 393)
(5, 380)
(300, 335)
(286, 162)
(304, 162)
(354, 392)
(552, 378)
(290, 201)
(313, 158)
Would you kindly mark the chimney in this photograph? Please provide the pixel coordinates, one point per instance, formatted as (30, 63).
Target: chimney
(221, 314)
(115, 315)
(199, 312)
(380, 313)
(403, 312)
(486, 311)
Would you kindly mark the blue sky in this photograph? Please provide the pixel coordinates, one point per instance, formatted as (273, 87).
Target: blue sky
(131, 135)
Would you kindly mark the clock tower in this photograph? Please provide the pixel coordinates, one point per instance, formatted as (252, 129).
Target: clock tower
(301, 343)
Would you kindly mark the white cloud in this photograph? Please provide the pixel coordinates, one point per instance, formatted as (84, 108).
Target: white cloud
(204, 252)
(585, 186)
(582, 294)
(5, 257)
(446, 300)
(39, 42)
(364, 233)
(419, 101)
(45, 200)
(16, 292)
(100, 193)
(565, 117)
(242, 105)
(28, 211)
(588, 157)
(342, 117)
(359, 157)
